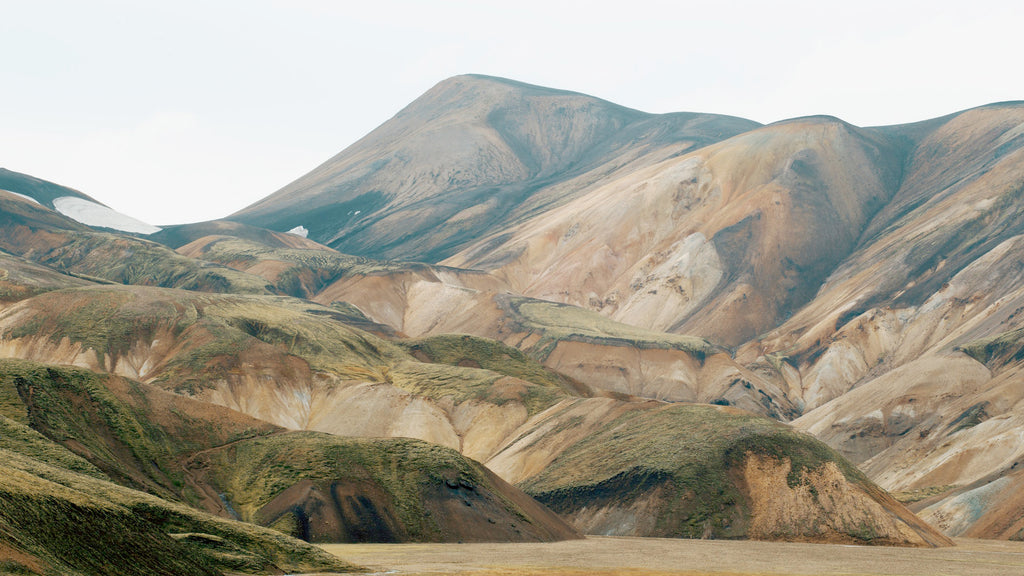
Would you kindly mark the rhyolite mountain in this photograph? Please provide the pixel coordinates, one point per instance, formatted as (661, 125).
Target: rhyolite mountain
(534, 280)
(210, 411)
(822, 258)
(473, 154)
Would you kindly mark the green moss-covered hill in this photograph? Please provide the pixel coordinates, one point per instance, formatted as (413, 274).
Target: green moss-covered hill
(323, 488)
(71, 442)
(698, 471)
(314, 486)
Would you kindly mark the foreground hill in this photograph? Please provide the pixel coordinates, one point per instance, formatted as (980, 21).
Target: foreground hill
(317, 487)
(60, 511)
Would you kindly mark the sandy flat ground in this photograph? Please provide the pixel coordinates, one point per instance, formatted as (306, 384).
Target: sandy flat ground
(634, 556)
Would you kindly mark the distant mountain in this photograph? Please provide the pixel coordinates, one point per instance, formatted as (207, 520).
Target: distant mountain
(71, 203)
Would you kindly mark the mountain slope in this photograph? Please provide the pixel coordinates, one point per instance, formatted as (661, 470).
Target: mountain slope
(294, 363)
(472, 154)
(44, 236)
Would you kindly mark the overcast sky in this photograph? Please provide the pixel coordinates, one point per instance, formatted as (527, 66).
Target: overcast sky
(185, 111)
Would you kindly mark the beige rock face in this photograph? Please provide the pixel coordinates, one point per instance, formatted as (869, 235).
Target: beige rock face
(825, 504)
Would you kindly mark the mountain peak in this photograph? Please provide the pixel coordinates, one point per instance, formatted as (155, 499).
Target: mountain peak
(473, 152)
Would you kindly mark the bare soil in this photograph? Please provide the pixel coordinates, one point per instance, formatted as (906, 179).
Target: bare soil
(609, 556)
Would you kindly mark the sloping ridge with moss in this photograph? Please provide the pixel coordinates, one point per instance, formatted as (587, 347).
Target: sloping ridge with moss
(61, 513)
(693, 471)
(324, 488)
(47, 237)
(237, 466)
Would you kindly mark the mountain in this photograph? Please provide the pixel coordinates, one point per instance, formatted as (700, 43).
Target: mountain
(71, 203)
(473, 154)
(516, 313)
(836, 274)
(158, 365)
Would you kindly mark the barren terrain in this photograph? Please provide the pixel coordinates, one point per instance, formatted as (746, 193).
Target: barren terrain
(661, 556)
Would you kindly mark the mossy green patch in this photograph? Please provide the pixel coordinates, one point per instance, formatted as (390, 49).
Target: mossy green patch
(214, 333)
(19, 438)
(692, 449)
(136, 261)
(555, 322)
(473, 351)
(997, 350)
(254, 472)
(46, 519)
(136, 525)
(119, 436)
(308, 270)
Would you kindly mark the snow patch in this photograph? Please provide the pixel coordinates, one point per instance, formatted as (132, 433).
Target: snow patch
(299, 231)
(93, 214)
(29, 198)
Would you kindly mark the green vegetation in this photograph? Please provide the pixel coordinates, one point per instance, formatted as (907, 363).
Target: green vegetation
(128, 531)
(694, 450)
(216, 334)
(472, 366)
(919, 494)
(476, 352)
(254, 472)
(134, 261)
(47, 521)
(999, 349)
(555, 322)
(107, 319)
(21, 279)
(307, 270)
(19, 438)
(139, 436)
(129, 440)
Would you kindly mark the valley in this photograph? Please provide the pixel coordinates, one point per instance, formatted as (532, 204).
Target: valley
(609, 556)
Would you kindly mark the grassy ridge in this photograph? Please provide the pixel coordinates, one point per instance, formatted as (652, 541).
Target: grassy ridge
(48, 502)
(305, 271)
(254, 472)
(693, 450)
(999, 349)
(123, 433)
(216, 333)
(21, 279)
(556, 322)
(139, 436)
(17, 437)
(44, 520)
(48, 238)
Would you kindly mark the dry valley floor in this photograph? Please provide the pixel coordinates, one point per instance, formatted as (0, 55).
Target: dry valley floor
(663, 557)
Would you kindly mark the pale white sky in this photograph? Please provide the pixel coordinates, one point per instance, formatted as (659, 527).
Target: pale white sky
(184, 111)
